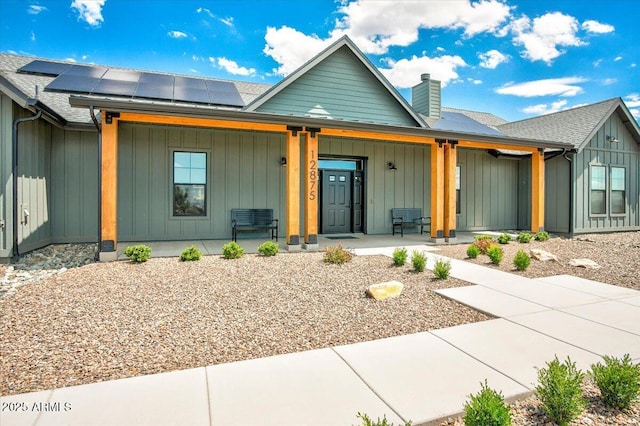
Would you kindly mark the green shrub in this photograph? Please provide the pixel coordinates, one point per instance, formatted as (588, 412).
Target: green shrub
(559, 391)
(418, 260)
(442, 269)
(473, 251)
(138, 253)
(487, 408)
(618, 381)
(483, 245)
(524, 237)
(483, 237)
(232, 250)
(268, 248)
(366, 421)
(399, 256)
(504, 238)
(495, 253)
(337, 255)
(542, 236)
(521, 260)
(190, 254)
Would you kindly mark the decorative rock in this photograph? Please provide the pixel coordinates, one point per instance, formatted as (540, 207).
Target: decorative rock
(386, 290)
(585, 263)
(543, 255)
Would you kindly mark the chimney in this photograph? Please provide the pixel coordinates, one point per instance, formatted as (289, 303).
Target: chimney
(425, 97)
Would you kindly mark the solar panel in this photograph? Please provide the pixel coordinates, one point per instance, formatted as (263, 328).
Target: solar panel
(44, 68)
(115, 87)
(221, 86)
(192, 83)
(226, 98)
(155, 86)
(189, 94)
(73, 83)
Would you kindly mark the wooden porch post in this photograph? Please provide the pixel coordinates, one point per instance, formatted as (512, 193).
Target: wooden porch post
(293, 189)
(437, 192)
(537, 190)
(109, 188)
(450, 157)
(311, 184)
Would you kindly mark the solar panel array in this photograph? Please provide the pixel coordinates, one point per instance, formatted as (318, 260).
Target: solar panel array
(98, 80)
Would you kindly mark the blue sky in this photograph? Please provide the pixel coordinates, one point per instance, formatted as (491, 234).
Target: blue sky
(516, 59)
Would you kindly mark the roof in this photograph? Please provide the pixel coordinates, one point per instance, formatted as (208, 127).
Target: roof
(334, 47)
(574, 127)
(485, 118)
(457, 121)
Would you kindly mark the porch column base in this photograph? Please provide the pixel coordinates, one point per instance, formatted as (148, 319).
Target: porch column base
(293, 248)
(310, 247)
(451, 238)
(108, 256)
(438, 240)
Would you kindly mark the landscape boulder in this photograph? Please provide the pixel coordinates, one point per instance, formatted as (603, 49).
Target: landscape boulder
(386, 290)
(543, 255)
(584, 263)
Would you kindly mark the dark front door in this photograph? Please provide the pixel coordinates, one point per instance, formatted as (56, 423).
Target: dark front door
(336, 202)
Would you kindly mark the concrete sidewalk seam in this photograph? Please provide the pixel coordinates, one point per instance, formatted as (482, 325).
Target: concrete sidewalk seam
(596, 322)
(210, 408)
(368, 386)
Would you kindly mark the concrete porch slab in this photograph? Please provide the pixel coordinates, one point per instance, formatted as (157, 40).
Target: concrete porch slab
(588, 286)
(622, 316)
(312, 388)
(421, 376)
(24, 409)
(585, 334)
(174, 398)
(513, 349)
(491, 301)
(635, 300)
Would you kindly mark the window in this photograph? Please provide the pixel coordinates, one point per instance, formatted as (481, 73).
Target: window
(458, 175)
(189, 183)
(618, 204)
(598, 190)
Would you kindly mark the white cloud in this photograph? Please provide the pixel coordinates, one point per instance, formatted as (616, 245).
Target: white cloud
(597, 62)
(542, 109)
(440, 49)
(70, 60)
(89, 11)
(609, 81)
(290, 48)
(632, 100)
(553, 86)
(227, 21)
(617, 58)
(476, 82)
(176, 34)
(543, 37)
(33, 36)
(206, 11)
(232, 67)
(597, 27)
(406, 73)
(492, 59)
(635, 112)
(633, 65)
(35, 9)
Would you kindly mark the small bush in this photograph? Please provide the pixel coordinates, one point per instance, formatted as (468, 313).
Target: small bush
(487, 408)
(419, 261)
(542, 236)
(559, 391)
(190, 254)
(495, 253)
(399, 256)
(138, 253)
(483, 245)
(483, 237)
(268, 248)
(524, 237)
(366, 421)
(442, 269)
(337, 255)
(504, 238)
(618, 381)
(473, 251)
(232, 250)
(521, 260)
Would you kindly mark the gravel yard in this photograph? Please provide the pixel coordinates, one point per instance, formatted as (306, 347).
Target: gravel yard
(115, 320)
(618, 255)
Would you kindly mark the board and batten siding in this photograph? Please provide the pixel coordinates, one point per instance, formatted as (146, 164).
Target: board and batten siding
(6, 186)
(342, 88)
(408, 186)
(243, 171)
(557, 200)
(488, 191)
(599, 151)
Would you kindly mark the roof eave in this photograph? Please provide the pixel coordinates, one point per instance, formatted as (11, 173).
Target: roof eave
(26, 102)
(258, 117)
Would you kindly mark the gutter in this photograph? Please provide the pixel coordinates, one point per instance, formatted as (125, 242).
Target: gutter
(99, 127)
(14, 171)
(197, 111)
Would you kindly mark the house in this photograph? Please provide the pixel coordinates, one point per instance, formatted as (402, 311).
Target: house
(94, 153)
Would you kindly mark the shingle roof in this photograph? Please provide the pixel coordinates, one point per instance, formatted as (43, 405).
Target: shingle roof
(575, 126)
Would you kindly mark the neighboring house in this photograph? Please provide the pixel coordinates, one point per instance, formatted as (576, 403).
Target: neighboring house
(111, 154)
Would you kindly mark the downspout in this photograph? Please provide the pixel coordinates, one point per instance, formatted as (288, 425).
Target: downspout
(564, 154)
(14, 175)
(99, 127)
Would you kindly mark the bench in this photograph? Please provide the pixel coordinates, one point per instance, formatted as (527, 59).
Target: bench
(253, 220)
(404, 218)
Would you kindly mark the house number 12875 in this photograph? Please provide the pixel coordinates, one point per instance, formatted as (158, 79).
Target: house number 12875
(313, 176)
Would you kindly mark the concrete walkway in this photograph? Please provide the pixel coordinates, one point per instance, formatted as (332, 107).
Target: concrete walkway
(419, 377)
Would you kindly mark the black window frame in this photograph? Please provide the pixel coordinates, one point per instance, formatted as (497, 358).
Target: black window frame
(623, 191)
(202, 210)
(601, 191)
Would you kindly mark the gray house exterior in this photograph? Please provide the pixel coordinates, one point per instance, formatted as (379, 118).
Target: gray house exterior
(105, 167)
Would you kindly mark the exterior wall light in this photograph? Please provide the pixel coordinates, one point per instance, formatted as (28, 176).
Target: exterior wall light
(612, 139)
(283, 161)
(391, 165)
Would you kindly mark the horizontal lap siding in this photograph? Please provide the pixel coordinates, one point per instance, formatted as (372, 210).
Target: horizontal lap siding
(408, 186)
(340, 87)
(243, 171)
(600, 151)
